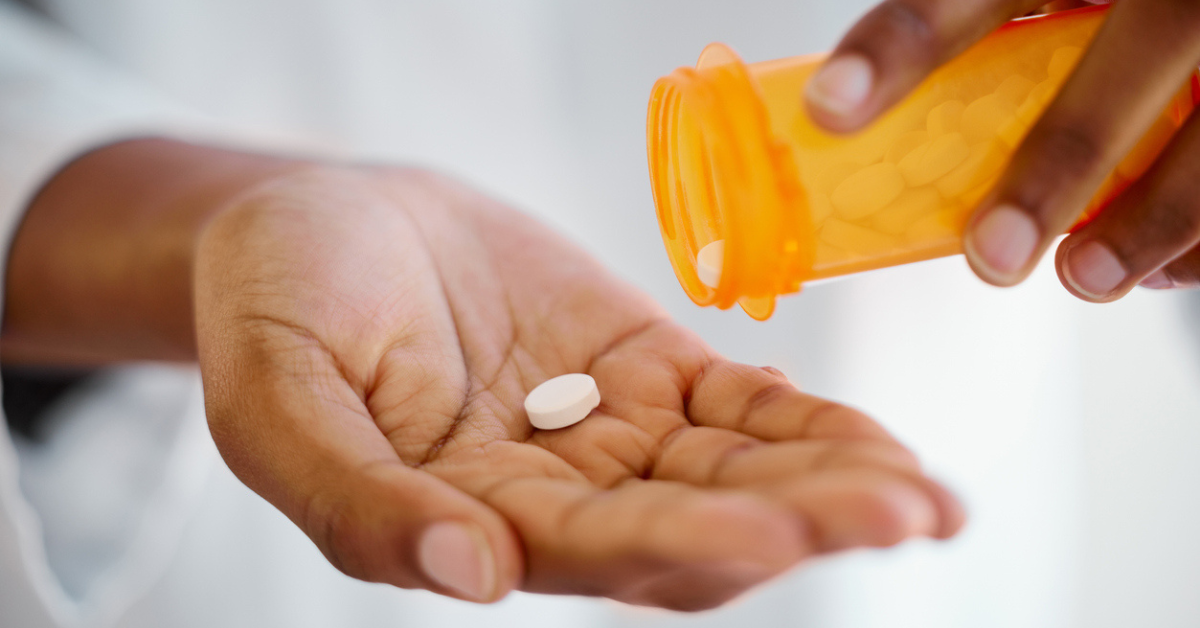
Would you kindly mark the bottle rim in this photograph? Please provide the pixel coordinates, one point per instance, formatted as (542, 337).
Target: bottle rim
(718, 173)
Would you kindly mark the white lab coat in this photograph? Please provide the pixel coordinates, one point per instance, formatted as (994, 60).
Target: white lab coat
(128, 518)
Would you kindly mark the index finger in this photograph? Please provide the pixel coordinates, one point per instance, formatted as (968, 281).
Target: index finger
(892, 49)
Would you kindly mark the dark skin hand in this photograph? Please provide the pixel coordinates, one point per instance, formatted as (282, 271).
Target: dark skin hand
(1149, 235)
(367, 337)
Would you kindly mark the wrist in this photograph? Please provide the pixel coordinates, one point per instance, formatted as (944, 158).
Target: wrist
(100, 269)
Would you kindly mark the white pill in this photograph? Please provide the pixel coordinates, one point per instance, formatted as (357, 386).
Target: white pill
(709, 261)
(562, 401)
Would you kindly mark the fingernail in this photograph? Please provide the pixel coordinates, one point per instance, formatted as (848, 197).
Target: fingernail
(1158, 281)
(842, 84)
(458, 557)
(1004, 240)
(1093, 270)
(774, 371)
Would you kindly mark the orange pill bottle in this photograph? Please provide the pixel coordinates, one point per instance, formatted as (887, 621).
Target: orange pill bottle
(735, 162)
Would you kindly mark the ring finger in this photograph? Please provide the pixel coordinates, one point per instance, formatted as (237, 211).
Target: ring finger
(1151, 225)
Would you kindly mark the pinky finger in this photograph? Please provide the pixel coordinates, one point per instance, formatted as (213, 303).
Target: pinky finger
(1184, 272)
(1152, 225)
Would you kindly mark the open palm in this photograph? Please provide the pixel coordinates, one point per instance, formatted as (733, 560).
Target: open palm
(367, 339)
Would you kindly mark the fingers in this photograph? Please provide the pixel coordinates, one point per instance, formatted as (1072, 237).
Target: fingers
(1184, 272)
(848, 477)
(817, 449)
(763, 404)
(851, 493)
(892, 49)
(653, 543)
(1154, 225)
(831, 464)
(868, 507)
(1138, 61)
(389, 523)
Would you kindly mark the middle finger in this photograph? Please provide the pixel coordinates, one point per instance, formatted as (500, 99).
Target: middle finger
(1138, 61)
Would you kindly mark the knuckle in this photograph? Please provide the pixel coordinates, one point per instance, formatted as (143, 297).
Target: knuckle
(769, 395)
(896, 29)
(1070, 150)
(1054, 169)
(907, 22)
(1180, 216)
(1155, 229)
(1172, 220)
(906, 18)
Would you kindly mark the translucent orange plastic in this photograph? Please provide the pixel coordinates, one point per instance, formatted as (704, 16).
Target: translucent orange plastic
(734, 157)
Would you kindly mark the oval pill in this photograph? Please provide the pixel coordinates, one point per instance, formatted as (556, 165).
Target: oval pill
(983, 117)
(982, 167)
(828, 255)
(911, 206)
(932, 160)
(855, 238)
(709, 261)
(1038, 99)
(945, 224)
(1012, 131)
(1014, 89)
(904, 145)
(562, 401)
(867, 191)
(820, 208)
(944, 118)
(831, 177)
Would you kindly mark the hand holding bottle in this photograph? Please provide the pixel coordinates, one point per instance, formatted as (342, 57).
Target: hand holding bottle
(1133, 68)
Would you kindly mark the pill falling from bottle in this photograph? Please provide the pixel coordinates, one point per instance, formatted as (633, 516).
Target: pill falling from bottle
(709, 261)
(562, 401)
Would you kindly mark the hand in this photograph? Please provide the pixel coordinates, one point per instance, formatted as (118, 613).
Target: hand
(367, 339)
(1143, 54)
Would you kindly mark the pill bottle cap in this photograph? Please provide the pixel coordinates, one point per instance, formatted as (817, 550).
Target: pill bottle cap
(718, 173)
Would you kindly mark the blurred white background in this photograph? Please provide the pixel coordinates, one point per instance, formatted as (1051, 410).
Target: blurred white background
(1069, 430)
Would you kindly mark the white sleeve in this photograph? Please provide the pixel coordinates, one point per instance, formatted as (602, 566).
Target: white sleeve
(58, 100)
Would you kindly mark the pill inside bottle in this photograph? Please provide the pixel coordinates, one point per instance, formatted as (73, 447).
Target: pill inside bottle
(708, 263)
(755, 199)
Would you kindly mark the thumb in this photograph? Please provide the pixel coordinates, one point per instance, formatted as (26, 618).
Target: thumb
(282, 306)
(294, 431)
(390, 523)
